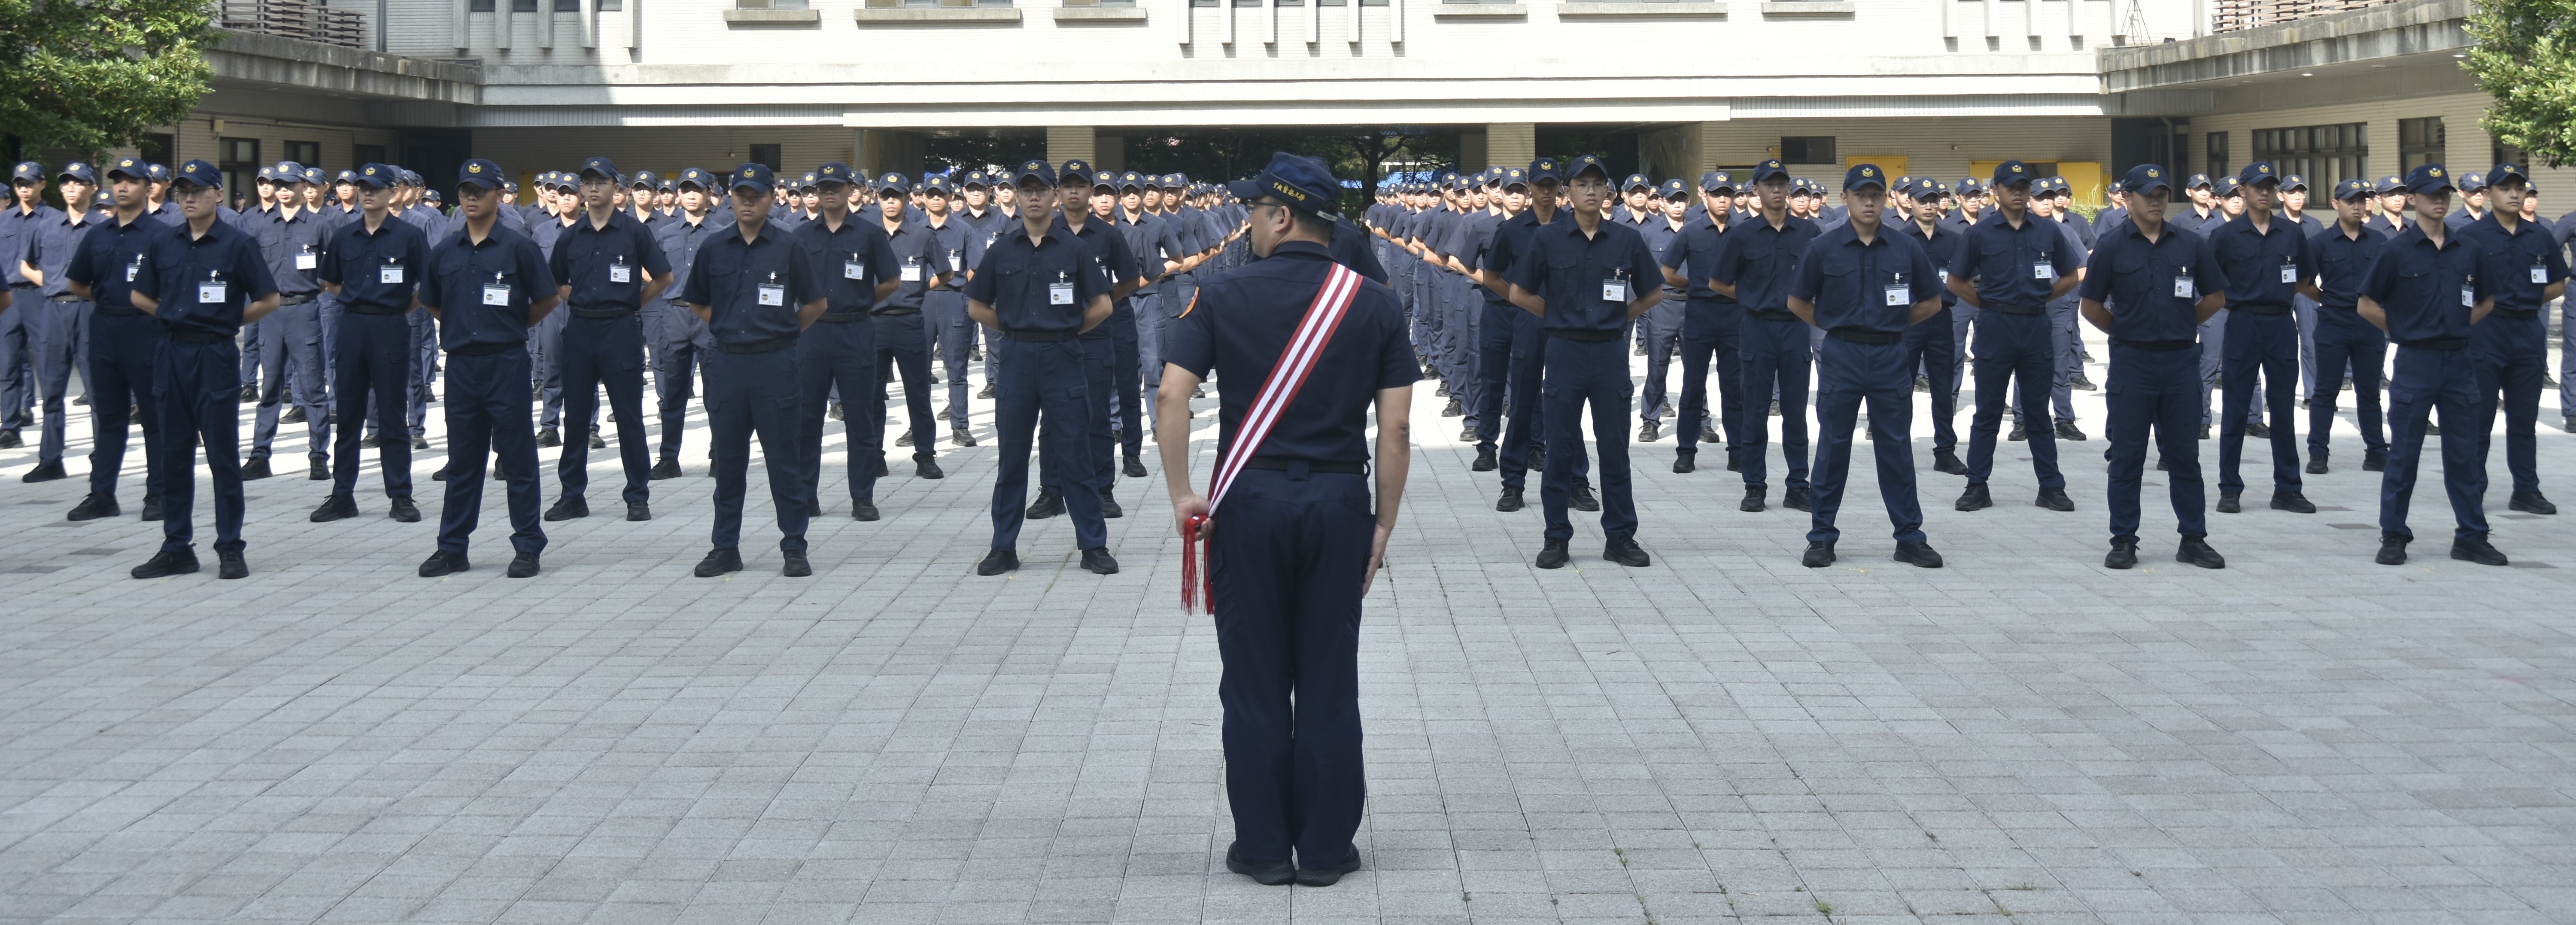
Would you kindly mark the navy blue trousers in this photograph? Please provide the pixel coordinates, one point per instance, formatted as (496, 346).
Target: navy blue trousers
(17, 360)
(1933, 347)
(1125, 384)
(290, 357)
(374, 358)
(1660, 328)
(953, 334)
(2158, 391)
(605, 354)
(487, 411)
(2021, 350)
(681, 354)
(1286, 560)
(200, 390)
(2268, 346)
(2512, 355)
(1048, 379)
(58, 332)
(2342, 338)
(1712, 331)
(1593, 375)
(1847, 374)
(2425, 380)
(1093, 469)
(121, 353)
(1494, 352)
(842, 355)
(901, 350)
(1777, 354)
(758, 393)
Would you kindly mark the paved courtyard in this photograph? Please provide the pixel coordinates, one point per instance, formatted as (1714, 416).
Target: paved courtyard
(2304, 737)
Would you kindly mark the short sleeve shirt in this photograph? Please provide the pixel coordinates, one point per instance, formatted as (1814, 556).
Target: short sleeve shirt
(111, 258)
(850, 261)
(1868, 287)
(606, 267)
(483, 290)
(1018, 279)
(2152, 288)
(2426, 291)
(1242, 322)
(753, 288)
(2263, 270)
(2015, 266)
(379, 268)
(204, 282)
(1587, 282)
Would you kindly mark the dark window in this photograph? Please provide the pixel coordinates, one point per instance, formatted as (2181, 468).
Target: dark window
(2214, 154)
(1372, 2)
(567, 6)
(2323, 155)
(1247, 2)
(2421, 141)
(1807, 149)
(369, 154)
(2508, 154)
(482, 6)
(766, 154)
(523, 6)
(157, 149)
(238, 158)
(305, 153)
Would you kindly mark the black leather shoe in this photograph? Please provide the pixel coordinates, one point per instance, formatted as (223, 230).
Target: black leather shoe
(596, 441)
(440, 475)
(165, 563)
(256, 468)
(927, 469)
(1441, 390)
(1625, 551)
(1098, 561)
(863, 510)
(2230, 502)
(1709, 435)
(567, 509)
(1538, 459)
(1109, 506)
(1919, 555)
(835, 413)
(2017, 435)
(795, 566)
(549, 437)
(639, 511)
(403, 511)
(2082, 383)
(419, 442)
(2476, 549)
(1329, 875)
(317, 469)
(151, 507)
(1946, 461)
(1820, 553)
(2258, 430)
(2374, 462)
(1467, 434)
(1510, 501)
(1583, 499)
(1049, 504)
(2054, 499)
(2163, 464)
(1485, 460)
(2392, 551)
(444, 563)
(94, 506)
(1752, 499)
(2432, 430)
(2528, 502)
(1685, 462)
(9, 439)
(2066, 430)
(1796, 499)
(904, 440)
(336, 507)
(1553, 555)
(1133, 468)
(248, 393)
(2204, 431)
(961, 437)
(230, 564)
(1976, 498)
(2292, 502)
(1266, 873)
(719, 560)
(293, 415)
(666, 469)
(2195, 551)
(523, 565)
(997, 562)
(2317, 464)
(370, 442)
(1452, 409)
(1649, 432)
(2123, 555)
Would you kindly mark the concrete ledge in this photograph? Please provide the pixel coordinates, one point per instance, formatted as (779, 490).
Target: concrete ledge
(1100, 14)
(912, 15)
(1809, 8)
(1478, 11)
(2380, 33)
(252, 58)
(773, 17)
(1592, 10)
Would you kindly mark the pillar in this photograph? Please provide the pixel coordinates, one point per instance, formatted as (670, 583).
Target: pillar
(1069, 142)
(1471, 151)
(1509, 143)
(1112, 155)
(882, 151)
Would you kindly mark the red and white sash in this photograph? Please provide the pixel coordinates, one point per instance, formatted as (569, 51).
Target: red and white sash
(1278, 391)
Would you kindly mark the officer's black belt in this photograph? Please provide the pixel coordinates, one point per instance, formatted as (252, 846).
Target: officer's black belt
(1039, 337)
(772, 345)
(2017, 309)
(2265, 310)
(1863, 336)
(193, 336)
(602, 312)
(841, 317)
(2437, 343)
(890, 312)
(2156, 346)
(1584, 337)
(1281, 464)
(2344, 308)
(66, 297)
(285, 299)
(1773, 314)
(120, 311)
(362, 308)
(484, 350)
(2516, 313)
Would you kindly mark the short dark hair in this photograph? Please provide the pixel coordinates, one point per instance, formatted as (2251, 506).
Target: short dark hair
(1311, 224)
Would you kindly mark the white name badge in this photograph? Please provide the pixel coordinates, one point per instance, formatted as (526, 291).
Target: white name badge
(390, 274)
(850, 269)
(496, 295)
(2043, 271)
(134, 269)
(1059, 293)
(2468, 297)
(2289, 272)
(1900, 295)
(1945, 277)
(1614, 290)
(912, 273)
(210, 293)
(2183, 289)
(773, 295)
(307, 261)
(620, 273)
(2540, 274)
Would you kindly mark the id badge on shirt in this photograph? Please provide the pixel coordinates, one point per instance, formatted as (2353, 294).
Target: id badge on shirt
(133, 269)
(911, 272)
(1614, 289)
(496, 294)
(2184, 289)
(1059, 293)
(2540, 274)
(620, 273)
(211, 293)
(2289, 272)
(307, 261)
(2468, 296)
(1945, 277)
(390, 274)
(2043, 271)
(1900, 294)
(852, 269)
(772, 294)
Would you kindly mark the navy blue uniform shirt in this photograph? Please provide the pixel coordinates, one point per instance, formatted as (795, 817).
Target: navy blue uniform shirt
(1512, 241)
(851, 262)
(606, 267)
(918, 261)
(1663, 239)
(1695, 257)
(2344, 262)
(1351, 249)
(1761, 261)
(2262, 269)
(360, 263)
(680, 240)
(16, 227)
(110, 260)
(2517, 264)
(963, 247)
(183, 273)
(483, 290)
(1240, 324)
(1151, 238)
(1017, 275)
(2015, 266)
(1480, 254)
(294, 247)
(2143, 284)
(1941, 245)
(753, 288)
(1574, 274)
(1851, 283)
(2427, 292)
(51, 244)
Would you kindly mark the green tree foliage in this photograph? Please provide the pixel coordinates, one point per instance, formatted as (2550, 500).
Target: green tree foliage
(94, 74)
(2526, 60)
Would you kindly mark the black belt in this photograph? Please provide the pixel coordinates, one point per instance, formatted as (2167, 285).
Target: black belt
(1584, 337)
(772, 345)
(65, 298)
(2018, 309)
(2516, 314)
(886, 312)
(602, 312)
(2343, 308)
(2262, 310)
(1281, 464)
(1773, 314)
(841, 317)
(1862, 336)
(1039, 337)
(484, 350)
(193, 336)
(120, 311)
(285, 299)
(362, 308)
(2438, 343)
(2157, 346)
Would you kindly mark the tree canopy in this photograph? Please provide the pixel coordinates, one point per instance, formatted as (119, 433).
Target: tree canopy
(95, 74)
(2525, 60)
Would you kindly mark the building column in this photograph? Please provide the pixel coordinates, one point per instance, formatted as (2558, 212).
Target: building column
(880, 151)
(1111, 153)
(1072, 142)
(1471, 152)
(1509, 143)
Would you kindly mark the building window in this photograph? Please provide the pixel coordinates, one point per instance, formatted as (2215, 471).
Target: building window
(305, 153)
(1807, 149)
(2421, 141)
(368, 154)
(766, 154)
(481, 6)
(2323, 155)
(1247, 2)
(157, 148)
(523, 6)
(2213, 160)
(567, 6)
(2508, 154)
(239, 159)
